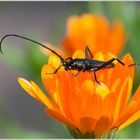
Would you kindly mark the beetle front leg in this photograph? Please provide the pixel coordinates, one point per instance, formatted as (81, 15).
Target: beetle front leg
(55, 70)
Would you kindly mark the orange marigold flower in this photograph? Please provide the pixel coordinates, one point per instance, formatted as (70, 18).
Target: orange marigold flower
(95, 32)
(87, 108)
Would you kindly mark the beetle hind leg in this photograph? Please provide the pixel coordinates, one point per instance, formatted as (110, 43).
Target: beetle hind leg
(109, 62)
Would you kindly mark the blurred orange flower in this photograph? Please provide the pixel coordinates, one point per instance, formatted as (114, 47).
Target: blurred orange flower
(92, 31)
(85, 107)
(95, 32)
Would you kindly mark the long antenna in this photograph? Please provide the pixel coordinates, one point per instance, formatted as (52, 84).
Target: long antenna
(22, 37)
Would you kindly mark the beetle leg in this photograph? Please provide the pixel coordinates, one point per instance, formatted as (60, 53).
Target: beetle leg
(86, 52)
(109, 62)
(105, 64)
(55, 70)
(96, 77)
(75, 74)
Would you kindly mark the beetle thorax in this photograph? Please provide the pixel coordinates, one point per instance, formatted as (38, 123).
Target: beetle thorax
(73, 65)
(77, 65)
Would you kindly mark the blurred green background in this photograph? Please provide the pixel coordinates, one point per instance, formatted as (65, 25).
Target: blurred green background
(20, 115)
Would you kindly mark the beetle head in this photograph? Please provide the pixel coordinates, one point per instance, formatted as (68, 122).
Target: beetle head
(68, 64)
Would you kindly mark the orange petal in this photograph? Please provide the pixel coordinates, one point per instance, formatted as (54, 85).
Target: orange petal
(127, 113)
(93, 31)
(78, 54)
(87, 124)
(76, 107)
(99, 56)
(102, 125)
(115, 85)
(88, 88)
(49, 80)
(136, 96)
(109, 105)
(117, 38)
(26, 85)
(131, 113)
(54, 61)
(132, 119)
(94, 106)
(72, 25)
(63, 96)
(110, 73)
(102, 90)
(35, 92)
(58, 116)
(127, 71)
(122, 97)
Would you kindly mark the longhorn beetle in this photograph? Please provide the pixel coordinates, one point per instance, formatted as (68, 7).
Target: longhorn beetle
(79, 64)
